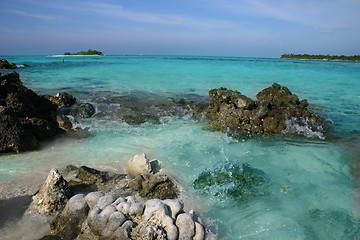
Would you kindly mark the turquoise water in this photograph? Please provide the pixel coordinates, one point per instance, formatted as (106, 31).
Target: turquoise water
(312, 191)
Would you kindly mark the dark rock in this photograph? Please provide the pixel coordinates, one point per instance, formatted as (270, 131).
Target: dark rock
(80, 187)
(13, 135)
(64, 123)
(62, 99)
(4, 64)
(25, 117)
(237, 115)
(23, 101)
(85, 110)
(238, 181)
(42, 129)
(91, 175)
(51, 237)
(154, 186)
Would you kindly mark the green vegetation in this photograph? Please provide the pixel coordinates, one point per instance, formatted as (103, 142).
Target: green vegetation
(89, 52)
(321, 57)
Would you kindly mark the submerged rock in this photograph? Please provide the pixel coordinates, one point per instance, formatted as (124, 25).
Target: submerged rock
(141, 107)
(85, 110)
(331, 224)
(4, 64)
(237, 115)
(237, 181)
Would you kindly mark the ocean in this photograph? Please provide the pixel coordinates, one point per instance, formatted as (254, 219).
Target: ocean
(312, 181)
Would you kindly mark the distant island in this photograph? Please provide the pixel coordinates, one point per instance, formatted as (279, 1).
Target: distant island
(89, 52)
(321, 57)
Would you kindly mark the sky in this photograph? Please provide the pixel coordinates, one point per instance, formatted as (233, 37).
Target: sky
(249, 28)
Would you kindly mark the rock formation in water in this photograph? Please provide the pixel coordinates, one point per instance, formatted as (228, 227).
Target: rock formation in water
(237, 115)
(27, 118)
(68, 110)
(106, 212)
(4, 64)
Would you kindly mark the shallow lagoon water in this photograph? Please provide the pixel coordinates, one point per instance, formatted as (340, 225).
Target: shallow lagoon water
(312, 192)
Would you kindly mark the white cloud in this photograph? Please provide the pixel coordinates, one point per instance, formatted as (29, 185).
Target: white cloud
(27, 14)
(320, 14)
(100, 9)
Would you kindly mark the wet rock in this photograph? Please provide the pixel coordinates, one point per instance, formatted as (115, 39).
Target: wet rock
(85, 110)
(154, 186)
(42, 129)
(25, 117)
(4, 64)
(13, 134)
(237, 115)
(23, 101)
(62, 99)
(52, 195)
(64, 123)
(237, 181)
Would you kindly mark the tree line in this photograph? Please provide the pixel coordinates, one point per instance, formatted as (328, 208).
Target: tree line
(89, 52)
(321, 57)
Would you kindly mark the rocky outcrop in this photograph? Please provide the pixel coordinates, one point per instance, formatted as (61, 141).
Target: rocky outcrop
(237, 115)
(68, 110)
(98, 216)
(85, 110)
(154, 186)
(4, 64)
(147, 179)
(25, 117)
(52, 195)
(142, 107)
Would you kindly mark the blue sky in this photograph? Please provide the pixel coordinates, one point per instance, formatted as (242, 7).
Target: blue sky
(258, 28)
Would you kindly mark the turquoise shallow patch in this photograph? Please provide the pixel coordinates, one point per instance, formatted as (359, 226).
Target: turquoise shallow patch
(309, 181)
